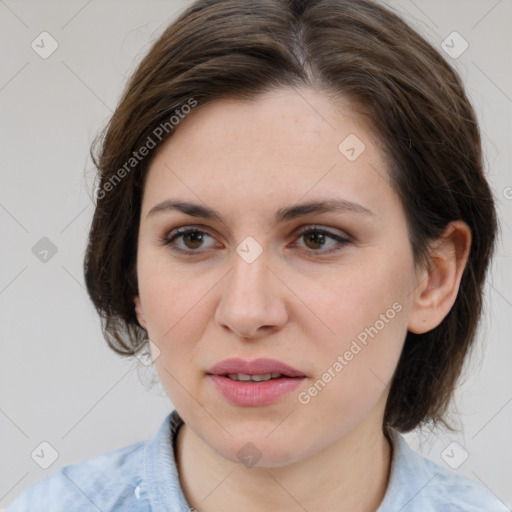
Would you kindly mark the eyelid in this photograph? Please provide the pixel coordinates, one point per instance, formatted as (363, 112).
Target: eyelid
(323, 229)
(341, 240)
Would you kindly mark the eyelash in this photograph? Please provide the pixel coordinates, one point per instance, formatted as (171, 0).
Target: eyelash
(342, 242)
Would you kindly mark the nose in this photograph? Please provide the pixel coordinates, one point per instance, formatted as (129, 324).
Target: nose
(253, 301)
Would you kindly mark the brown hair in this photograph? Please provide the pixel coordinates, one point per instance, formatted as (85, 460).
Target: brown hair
(353, 49)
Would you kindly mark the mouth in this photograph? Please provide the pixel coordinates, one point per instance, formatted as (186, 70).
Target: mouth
(245, 377)
(256, 370)
(254, 383)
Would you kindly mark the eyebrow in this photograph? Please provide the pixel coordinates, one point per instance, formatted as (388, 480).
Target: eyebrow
(283, 214)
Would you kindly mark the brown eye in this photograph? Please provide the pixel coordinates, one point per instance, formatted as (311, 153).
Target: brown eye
(192, 239)
(316, 239)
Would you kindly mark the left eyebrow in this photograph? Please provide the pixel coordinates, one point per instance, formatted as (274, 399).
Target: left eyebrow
(283, 214)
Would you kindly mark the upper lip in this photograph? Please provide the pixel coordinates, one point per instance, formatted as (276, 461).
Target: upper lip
(254, 367)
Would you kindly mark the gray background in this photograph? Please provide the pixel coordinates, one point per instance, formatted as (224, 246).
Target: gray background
(59, 381)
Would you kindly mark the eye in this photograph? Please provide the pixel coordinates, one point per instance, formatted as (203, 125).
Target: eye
(193, 239)
(315, 240)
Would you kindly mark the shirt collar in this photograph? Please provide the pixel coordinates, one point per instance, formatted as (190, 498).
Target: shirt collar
(161, 485)
(408, 476)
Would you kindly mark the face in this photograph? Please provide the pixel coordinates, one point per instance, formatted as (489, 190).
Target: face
(326, 291)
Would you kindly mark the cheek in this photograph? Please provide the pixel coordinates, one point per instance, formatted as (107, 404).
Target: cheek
(177, 325)
(368, 296)
(168, 294)
(175, 308)
(366, 309)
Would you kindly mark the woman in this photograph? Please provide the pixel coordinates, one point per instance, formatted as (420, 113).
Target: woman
(292, 208)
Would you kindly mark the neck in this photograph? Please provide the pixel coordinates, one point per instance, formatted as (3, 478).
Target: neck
(351, 475)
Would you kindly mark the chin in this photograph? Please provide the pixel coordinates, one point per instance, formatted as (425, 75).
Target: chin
(258, 449)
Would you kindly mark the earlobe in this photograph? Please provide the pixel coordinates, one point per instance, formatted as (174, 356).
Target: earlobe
(139, 312)
(439, 285)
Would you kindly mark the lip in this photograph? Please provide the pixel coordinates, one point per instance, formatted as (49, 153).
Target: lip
(254, 367)
(254, 394)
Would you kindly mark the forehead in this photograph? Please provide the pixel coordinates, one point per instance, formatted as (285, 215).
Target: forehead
(280, 147)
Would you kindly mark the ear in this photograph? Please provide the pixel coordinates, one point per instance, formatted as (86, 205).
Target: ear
(439, 283)
(139, 312)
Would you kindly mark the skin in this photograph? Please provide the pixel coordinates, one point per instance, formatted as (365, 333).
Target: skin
(294, 303)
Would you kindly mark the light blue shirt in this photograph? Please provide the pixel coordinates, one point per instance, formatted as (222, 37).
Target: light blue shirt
(143, 477)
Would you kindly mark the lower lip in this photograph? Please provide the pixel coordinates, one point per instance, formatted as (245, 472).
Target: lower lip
(254, 394)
